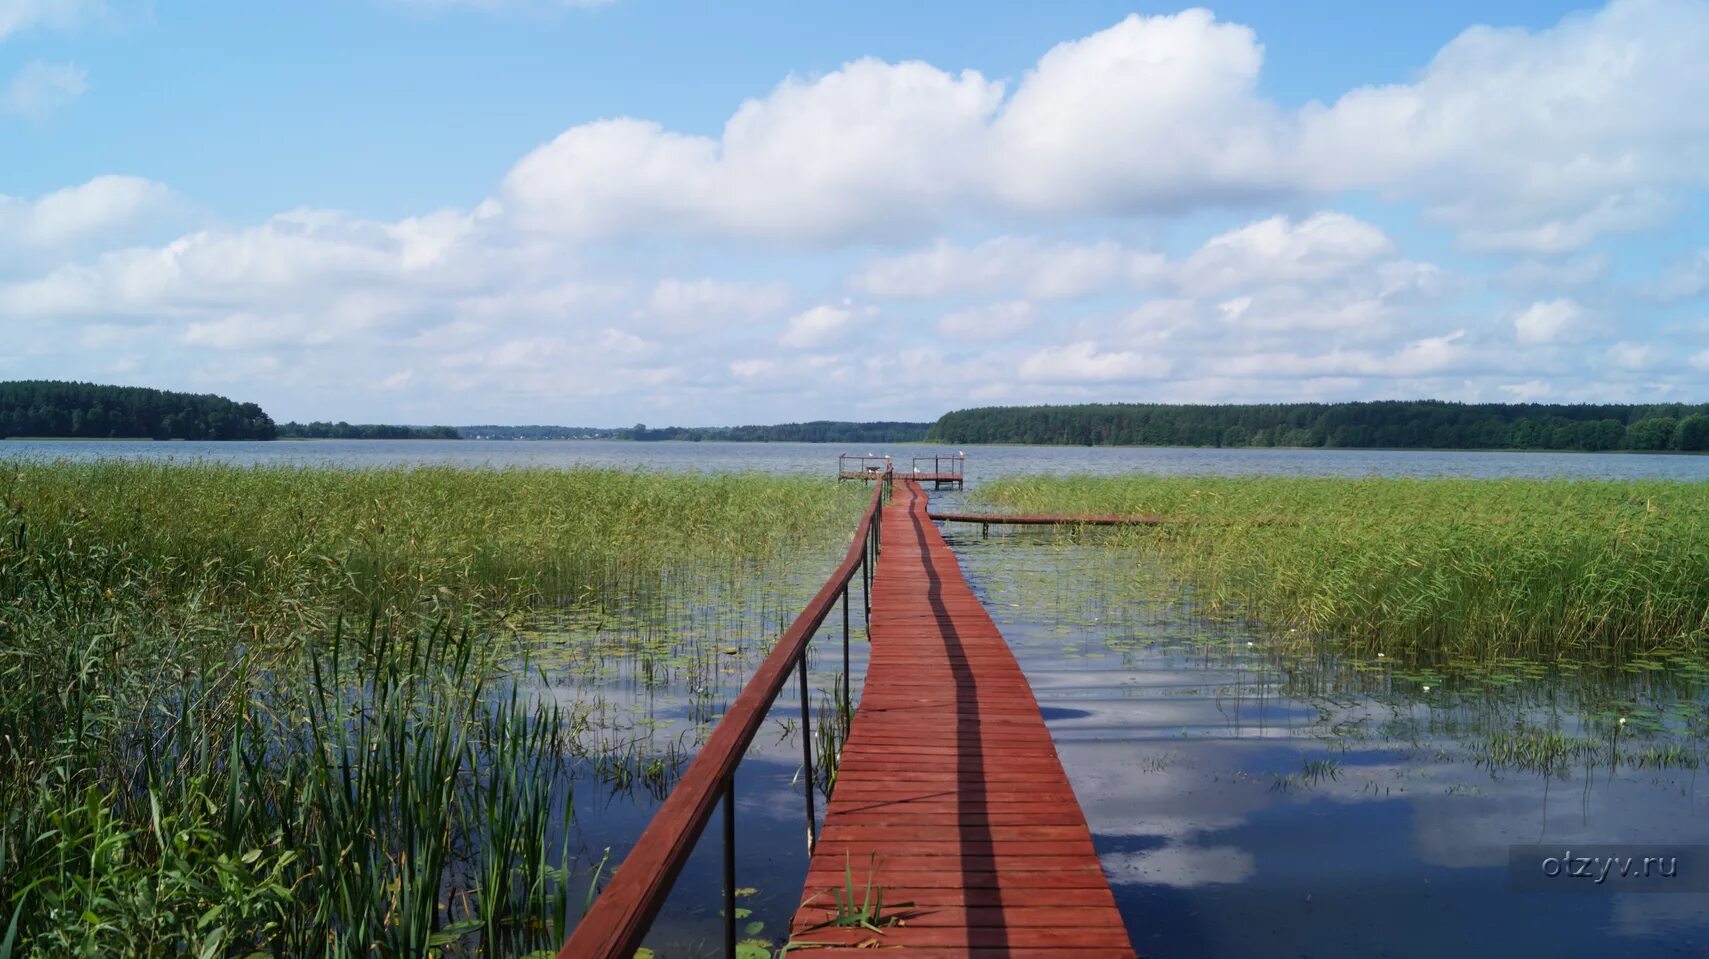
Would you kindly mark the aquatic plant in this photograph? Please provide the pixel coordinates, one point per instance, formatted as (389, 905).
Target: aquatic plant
(1477, 569)
(200, 755)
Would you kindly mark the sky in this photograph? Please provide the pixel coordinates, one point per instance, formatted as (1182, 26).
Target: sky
(603, 213)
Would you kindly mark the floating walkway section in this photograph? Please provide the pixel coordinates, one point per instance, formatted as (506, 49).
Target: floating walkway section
(949, 795)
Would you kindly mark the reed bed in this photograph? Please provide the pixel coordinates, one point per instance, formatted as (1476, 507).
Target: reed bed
(1430, 570)
(286, 712)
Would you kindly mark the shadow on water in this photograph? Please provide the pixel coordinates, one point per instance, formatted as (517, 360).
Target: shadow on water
(1250, 803)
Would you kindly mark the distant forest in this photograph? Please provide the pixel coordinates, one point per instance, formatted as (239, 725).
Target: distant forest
(492, 432)
(364, 431)
(88, 411)
(818, 431)
(1426, 424)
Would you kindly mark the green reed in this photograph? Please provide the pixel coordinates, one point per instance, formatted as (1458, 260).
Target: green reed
(199, 756)
(1477, 569)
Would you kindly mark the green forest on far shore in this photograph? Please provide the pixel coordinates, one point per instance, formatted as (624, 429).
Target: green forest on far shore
(1387, 424)
(46, 408)
(49, 409)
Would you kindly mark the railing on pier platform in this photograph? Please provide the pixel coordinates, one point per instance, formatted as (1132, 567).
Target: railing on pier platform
(618, 920)
(941, 470)
(868, 467)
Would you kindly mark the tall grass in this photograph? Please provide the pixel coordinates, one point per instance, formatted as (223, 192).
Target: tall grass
(200, 756)
(1474, 569)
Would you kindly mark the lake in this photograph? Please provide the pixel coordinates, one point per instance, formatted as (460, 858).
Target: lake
(985, 462)
(1243, 802)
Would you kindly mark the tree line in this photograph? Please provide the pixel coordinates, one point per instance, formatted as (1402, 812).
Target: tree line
(341, 430)
(817, 431)
(1386, 424)
(50, 408)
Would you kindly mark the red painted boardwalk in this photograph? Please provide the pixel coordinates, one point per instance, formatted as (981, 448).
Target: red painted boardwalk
(950, 794)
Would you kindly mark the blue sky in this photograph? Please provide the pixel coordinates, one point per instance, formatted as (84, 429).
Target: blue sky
(528, 210)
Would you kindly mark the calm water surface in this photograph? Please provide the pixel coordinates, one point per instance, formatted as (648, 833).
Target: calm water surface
(984, 462)
(1243, 803)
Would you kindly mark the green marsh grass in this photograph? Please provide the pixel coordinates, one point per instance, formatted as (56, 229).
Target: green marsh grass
(287, 712)
(1546, 571)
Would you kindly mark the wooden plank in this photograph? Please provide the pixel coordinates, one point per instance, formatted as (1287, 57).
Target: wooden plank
(950, 795)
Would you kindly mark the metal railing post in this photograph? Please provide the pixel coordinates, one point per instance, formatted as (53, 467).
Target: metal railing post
(847, 708)
(730, 867)
(807, 756)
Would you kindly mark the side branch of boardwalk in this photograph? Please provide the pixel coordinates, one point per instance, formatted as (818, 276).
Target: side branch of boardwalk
(949, 794)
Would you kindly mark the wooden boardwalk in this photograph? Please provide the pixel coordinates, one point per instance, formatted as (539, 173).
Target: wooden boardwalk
(950, 795)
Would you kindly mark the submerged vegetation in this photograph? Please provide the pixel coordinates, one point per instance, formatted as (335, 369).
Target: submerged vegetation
(1429, 569)
(289, 712)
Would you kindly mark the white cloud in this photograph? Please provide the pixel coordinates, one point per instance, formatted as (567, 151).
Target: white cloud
(1429, 355)
(99, 209)
(1700, 361)
(870, 148)
(1552, 274)
(689, 304)
(1038, 269)
(1534, 141)
(1530, 391)
(1083, 362)
(816, 327)
(1275, 250)
(1086, 129)
(878, 149)
(304, 257)
(994, 321)
(40, 88)
(1523, 140)
(1684, 279)
(19, 15)
(1548, 321)
(1631, 356)
(992, 202)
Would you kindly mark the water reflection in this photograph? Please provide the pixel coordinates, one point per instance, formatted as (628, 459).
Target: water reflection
(1246, 802)
(819, 459)
(650, 677)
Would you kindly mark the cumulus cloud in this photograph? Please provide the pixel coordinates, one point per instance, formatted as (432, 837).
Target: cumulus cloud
(1547, 321)
(1631, 356)
(41, 87)
(1534, 141)
(994, 321)
(689, 304)
(1276, 250)
(816, 327)
(102, 209)
(870, 148)
(1084, 362)
(309, 256)
(1036, 268)
(19, 15)
(976, 207)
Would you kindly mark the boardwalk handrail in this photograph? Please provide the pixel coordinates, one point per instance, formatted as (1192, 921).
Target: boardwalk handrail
(1051, 519)
(619, 918)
